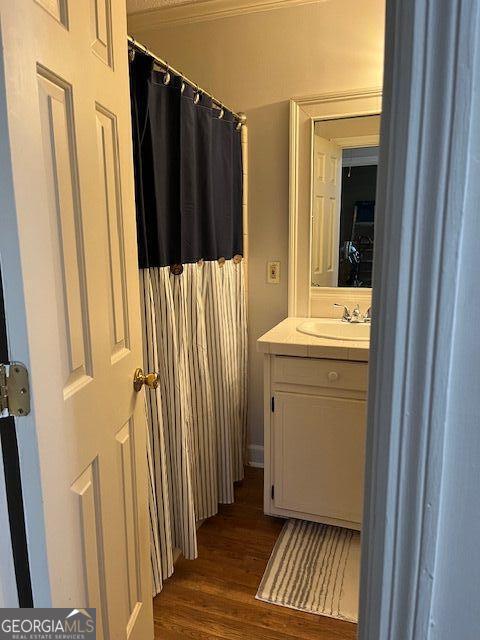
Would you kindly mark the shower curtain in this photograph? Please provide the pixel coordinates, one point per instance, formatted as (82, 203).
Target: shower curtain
(188, 180)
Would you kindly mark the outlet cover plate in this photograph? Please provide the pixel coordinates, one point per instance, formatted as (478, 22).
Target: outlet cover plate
(273, 272)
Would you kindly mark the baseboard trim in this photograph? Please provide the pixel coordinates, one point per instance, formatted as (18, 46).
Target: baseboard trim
(255, 456)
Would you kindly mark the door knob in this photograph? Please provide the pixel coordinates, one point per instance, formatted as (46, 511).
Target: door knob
(150, 380)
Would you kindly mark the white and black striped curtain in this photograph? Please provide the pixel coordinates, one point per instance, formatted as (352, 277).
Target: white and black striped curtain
(188, 177)
(195, 337)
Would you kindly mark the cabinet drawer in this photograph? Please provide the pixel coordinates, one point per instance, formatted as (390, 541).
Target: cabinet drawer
(334, 374)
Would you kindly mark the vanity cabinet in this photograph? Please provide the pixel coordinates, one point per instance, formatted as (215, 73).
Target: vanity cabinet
(315, 413)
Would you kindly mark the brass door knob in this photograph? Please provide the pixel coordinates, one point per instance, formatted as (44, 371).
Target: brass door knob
(150, 380)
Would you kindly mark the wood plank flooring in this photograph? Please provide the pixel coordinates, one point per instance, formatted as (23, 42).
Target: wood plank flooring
(214, 596)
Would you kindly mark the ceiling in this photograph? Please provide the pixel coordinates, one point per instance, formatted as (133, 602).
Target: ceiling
(143, 5)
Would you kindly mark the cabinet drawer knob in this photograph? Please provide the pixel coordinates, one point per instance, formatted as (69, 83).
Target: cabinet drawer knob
(332, 376)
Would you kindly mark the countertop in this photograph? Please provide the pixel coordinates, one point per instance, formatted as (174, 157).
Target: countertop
(285, 340)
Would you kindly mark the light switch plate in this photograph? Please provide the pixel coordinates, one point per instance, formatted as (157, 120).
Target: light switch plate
(273, 272)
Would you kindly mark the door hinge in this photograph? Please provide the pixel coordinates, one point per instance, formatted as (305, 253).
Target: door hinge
(272, 492)
(273, 404)
(14, 390)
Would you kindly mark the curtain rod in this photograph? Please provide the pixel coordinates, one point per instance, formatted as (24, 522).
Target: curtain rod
(168, 67)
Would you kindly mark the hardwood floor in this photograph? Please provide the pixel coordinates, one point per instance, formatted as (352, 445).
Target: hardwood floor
(214, 596)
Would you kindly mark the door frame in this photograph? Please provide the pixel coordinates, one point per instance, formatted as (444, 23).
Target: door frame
(431, 84)
(15, 582)
(18, 350)
(8, 580)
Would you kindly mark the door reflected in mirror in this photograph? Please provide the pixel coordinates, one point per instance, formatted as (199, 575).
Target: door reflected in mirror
(345, 161)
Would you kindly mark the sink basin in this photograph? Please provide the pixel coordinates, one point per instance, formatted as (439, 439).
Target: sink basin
(334, 329)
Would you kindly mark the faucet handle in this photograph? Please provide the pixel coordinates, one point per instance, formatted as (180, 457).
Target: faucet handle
(356, 316)
(346, 312)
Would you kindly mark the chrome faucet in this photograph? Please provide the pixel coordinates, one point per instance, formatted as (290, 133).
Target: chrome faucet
(355, 315)
(347, 316)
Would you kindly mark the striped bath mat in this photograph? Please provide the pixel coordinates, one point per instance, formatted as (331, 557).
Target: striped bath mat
(314, 568)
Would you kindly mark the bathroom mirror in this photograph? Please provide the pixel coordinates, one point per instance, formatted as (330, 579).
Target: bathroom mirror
(334, 140)
(344, 178)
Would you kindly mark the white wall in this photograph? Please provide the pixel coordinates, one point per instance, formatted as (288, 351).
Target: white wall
(256, 62)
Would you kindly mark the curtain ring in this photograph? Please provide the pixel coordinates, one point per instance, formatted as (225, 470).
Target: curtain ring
(241, 121)
(176, 269)
(221, 262)
(196, 97)
(222, 112)
(237, 258)
(131, 54)
(182, 85)
(200, 262)
(167, 77)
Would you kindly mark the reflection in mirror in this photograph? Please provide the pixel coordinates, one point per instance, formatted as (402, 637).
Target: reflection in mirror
(345, 160)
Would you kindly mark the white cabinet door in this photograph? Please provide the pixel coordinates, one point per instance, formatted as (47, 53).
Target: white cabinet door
(319, 453)
(69, 260)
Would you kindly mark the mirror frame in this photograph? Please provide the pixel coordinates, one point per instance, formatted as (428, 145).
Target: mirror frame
(304, 112)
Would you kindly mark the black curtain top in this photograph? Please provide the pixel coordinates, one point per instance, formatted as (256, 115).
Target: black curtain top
(188, 171)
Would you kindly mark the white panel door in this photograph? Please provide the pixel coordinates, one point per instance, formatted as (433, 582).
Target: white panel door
(325, 229)
(319, 455)
(69, 259)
